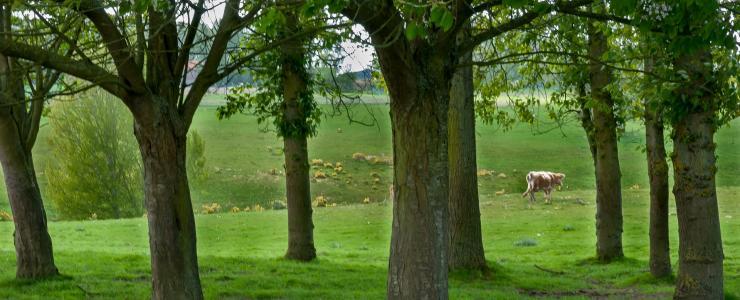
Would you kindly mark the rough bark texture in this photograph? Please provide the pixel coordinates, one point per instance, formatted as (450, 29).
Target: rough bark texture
(297, 181)
(34, 255)
(700, 274)
(418, 260)
(660, 258)
(466, 240)
(418, 75)
(172, 241)
(608, 176)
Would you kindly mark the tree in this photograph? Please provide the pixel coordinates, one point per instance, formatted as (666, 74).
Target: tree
(284, 95)
(102, 148)
(417, 52)
(660, 256)
(149, 45)
(24, 88)
(466, 238)
(608, 183)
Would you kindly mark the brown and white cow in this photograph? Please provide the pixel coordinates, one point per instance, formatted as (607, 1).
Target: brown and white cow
(542, 181)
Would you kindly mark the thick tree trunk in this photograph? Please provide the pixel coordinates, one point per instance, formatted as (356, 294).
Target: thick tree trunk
(608, 177)
(466, 240)
(418, 267)
(660, 258)
(172, 240)
(700, 274)
(298, 192)
(34, 255)
(297, 181)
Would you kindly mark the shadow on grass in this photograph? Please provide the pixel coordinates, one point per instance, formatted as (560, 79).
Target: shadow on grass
(102, 275)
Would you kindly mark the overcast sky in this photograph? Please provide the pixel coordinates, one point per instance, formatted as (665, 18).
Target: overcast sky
(358, 58)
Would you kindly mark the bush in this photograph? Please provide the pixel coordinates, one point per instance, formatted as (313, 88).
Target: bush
(196, 158)
(94, 167)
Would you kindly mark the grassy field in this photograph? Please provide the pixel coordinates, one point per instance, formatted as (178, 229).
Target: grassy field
(244, 161)
(240, 252)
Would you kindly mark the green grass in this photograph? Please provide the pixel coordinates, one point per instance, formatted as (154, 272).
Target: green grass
(239, 254)
(241, 157)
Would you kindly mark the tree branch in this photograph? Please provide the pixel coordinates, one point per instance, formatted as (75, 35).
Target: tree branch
(519, 22)
(116, 44)
(81, 69)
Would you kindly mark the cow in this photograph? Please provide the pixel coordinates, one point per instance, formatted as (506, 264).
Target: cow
(542, 181)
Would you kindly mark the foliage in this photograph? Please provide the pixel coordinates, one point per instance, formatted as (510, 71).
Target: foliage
(267, 101)
(94, 166)
(196, 156)
(683, 28)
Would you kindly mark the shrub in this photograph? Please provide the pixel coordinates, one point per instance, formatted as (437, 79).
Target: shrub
(94, 166)
(195, 156)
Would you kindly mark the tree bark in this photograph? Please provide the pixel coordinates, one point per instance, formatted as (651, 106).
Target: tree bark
(418, 267)
(466, 240)
(172, 239)
(660, 256)
(34, 255)
(608, 177)
(297, 181)
(700, 274)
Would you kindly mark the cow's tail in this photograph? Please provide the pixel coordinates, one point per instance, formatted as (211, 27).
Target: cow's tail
(529, 185)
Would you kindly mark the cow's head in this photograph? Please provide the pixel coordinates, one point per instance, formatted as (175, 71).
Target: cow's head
(557, 179)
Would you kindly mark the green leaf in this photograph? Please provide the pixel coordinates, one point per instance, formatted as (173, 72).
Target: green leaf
(412, 30)
(436, 15)
(447, 20)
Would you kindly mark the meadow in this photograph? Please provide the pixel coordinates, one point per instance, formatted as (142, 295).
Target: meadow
(534, 251)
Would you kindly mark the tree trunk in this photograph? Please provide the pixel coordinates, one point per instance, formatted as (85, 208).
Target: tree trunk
(700, 274)
(297, 181)
(34, 255)
(660, 257)
(587, 121)
(466, 240)
(608, 177)
(172, 240)
(418, 267)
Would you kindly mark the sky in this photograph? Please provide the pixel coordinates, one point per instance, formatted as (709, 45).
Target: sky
(358, 57)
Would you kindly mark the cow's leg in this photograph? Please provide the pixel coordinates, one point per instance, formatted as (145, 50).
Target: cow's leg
(531, 197)
(548, 196)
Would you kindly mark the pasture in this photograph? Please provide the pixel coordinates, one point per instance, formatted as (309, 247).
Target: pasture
(541, 251)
